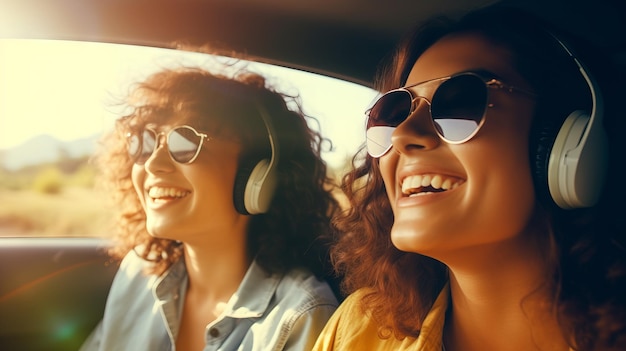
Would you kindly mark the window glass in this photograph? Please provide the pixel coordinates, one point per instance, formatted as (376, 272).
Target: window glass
(57, 98)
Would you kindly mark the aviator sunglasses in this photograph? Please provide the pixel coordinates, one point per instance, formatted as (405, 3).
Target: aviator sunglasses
(457, 108)
(183, 144)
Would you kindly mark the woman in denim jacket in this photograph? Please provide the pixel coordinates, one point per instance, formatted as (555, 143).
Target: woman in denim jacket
(223, 210)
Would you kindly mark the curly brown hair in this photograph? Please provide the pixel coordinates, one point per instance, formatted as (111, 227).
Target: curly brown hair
(585, 247)
(294, 232)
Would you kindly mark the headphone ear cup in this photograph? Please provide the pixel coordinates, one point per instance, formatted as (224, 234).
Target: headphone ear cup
(576, 172)
(239, 189)
(254, 188)
(541, 146)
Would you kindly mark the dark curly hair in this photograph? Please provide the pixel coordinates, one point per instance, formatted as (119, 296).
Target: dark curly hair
(585, 247)
(295, 230)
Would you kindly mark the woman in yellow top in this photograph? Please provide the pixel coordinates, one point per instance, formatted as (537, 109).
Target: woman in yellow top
(485, 216)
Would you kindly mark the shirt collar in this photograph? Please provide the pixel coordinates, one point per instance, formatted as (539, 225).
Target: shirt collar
(172, 280)
(431, 333)
(251, 299)
(254, 294)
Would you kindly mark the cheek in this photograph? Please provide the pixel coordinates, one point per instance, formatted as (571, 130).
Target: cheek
(502, 187)
(213, 182)
(501, 157)
(504, 175)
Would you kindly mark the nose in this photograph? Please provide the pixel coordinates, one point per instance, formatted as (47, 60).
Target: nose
(160, 160)
(417, 131)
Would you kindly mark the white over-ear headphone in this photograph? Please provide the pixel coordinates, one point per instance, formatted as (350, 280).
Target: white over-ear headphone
(255, 183)
(579, 157)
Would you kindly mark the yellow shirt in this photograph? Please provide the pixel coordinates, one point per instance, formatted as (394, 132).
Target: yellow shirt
(349, 329)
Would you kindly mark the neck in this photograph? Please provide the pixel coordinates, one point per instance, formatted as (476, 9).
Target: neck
(501, 300)
(215, 274)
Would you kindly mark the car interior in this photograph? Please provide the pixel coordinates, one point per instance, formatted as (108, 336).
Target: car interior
(53, 288)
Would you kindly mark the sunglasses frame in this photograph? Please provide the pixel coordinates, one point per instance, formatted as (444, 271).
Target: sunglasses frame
(487, 78)
(157, 138)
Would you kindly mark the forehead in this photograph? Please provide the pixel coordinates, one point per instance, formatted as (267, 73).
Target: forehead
(186, 101)
(164, 117)
(464, 52)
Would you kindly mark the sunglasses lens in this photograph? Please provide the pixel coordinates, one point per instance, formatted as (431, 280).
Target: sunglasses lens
(389, 111)
(140, 147)
(379, 140)
(183, 144)
(134, 142)
(458, 107)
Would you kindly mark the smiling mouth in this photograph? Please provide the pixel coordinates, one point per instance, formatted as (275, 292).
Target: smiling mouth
(158, 193)
(422, 184)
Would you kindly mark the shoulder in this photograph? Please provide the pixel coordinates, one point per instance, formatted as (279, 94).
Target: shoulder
(350, 327)
(133, 263)
(133, 267)
(130, 309)
(352, 311)
(293, 308)
(131, 278)
(293, 293)
(304, 288)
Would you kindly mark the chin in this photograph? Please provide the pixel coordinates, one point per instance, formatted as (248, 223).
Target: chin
(407, 238)
(157, 231)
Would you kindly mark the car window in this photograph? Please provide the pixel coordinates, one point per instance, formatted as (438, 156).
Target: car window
(58, 97)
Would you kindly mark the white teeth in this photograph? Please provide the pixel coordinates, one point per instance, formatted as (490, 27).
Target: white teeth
(446, 184)
(157, 193)
(436, 182)
(414, 184)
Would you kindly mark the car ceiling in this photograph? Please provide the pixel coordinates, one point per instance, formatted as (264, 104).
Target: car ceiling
(340, 38)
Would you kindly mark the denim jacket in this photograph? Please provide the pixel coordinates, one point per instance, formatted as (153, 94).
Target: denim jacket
(268, 311)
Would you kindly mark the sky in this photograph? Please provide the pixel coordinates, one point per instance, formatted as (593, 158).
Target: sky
(66, 90)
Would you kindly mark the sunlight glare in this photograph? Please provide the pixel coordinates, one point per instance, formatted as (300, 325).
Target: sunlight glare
(66, 90)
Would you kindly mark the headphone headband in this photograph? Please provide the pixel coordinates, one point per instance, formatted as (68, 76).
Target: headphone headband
(578, 158)
(256, 183)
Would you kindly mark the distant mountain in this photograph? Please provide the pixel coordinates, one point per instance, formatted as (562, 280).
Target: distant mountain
(45, 148)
